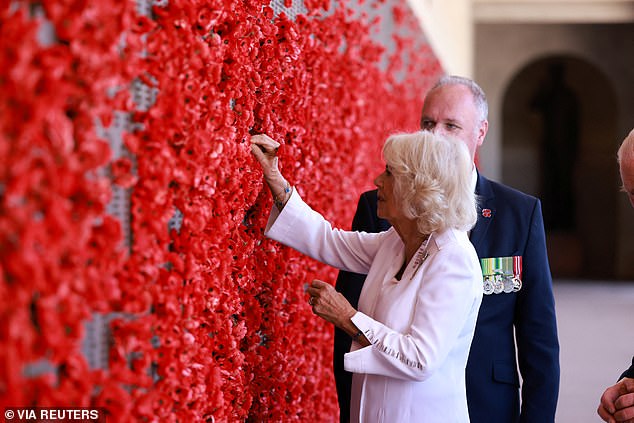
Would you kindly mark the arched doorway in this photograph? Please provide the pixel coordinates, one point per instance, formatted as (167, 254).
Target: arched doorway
(559, 130)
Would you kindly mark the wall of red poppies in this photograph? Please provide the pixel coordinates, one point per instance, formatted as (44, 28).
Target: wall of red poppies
(208, 320)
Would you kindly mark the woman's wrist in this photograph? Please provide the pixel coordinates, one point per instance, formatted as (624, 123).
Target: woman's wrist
(357, 336)
(281, 196)
(348, 326)
(360, 338)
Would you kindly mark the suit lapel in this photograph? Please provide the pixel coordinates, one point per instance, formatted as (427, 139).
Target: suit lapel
(486, 211)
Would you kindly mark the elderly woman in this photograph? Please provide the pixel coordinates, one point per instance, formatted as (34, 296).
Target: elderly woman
(418, 307)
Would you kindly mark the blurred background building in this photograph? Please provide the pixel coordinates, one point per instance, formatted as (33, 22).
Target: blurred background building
(558, 75)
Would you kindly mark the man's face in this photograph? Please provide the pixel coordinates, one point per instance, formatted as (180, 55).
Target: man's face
(626, 168)
(450, 110)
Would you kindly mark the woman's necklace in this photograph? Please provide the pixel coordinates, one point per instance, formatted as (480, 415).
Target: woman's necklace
(421, 256)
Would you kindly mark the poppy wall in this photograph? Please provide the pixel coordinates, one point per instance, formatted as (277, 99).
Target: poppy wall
(206, 319)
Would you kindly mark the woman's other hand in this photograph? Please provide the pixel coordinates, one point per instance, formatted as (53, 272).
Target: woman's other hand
(333, 307)
(329, 304)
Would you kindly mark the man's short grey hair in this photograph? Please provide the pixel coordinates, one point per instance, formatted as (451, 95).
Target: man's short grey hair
(479, 98)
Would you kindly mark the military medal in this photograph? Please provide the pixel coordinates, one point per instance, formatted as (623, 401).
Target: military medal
(488, 285)
(487, 275)
(508, 285)
(498, 285)
(517, 273)
(517, 284)
(501, 274)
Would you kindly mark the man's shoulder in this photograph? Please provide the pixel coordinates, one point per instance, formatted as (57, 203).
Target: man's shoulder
(369, 195)
(365, 218)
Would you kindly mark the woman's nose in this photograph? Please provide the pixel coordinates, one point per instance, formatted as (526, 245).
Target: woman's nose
(377, 181)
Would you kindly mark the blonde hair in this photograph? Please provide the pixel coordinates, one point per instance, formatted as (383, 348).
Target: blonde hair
(432, 180)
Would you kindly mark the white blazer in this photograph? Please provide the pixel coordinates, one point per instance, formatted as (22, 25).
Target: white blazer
(420, 327)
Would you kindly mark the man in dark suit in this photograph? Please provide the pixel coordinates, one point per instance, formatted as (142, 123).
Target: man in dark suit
(518, 308)
(617, 402)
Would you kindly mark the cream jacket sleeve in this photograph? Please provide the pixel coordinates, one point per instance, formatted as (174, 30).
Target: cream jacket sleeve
(303, 229)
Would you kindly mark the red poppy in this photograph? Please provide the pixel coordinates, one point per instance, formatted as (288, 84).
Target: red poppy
(209, 312)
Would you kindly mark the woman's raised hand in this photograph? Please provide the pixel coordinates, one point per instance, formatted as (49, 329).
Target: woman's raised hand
(264, 148)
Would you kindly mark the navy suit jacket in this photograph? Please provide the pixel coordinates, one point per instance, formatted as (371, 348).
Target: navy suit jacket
(510, 224)
(629, 372)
